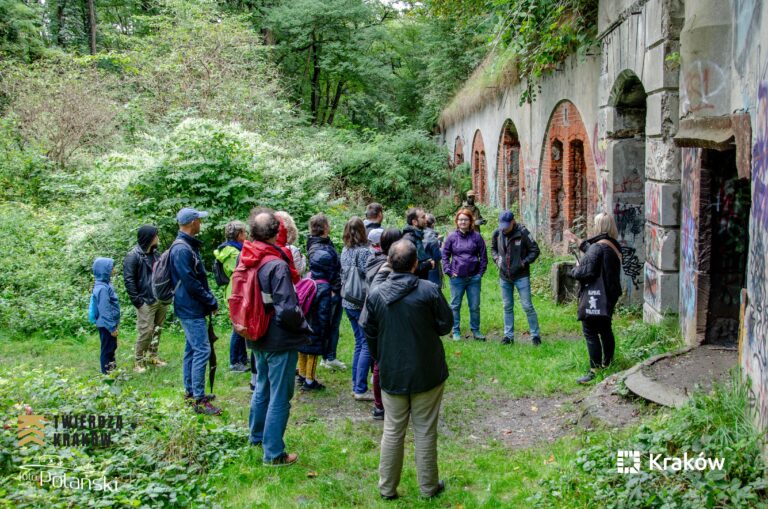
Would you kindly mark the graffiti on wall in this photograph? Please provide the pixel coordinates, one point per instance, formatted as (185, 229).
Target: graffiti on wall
(652, 288)
(746, 15)
(755, 347)
(703, 87)
(599, 147)
(688, 235)
(653, 208)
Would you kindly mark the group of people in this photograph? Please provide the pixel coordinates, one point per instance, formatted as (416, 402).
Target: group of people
(387, 282)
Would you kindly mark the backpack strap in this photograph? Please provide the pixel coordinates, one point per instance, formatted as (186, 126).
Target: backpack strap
(608, 243)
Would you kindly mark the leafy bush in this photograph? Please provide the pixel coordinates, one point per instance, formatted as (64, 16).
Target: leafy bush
(401, 169)
(22, 169)
(718, 425)
(163, 457)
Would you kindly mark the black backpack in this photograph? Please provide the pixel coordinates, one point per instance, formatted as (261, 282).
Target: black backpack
(219, 275)
(162, 286)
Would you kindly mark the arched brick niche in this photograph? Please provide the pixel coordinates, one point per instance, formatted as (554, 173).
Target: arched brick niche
(508, 167)
(479, 168)
(458, 151)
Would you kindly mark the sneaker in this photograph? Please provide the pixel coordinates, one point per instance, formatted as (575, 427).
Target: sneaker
(389, 497)
(282, 461)
(365, 396)
(314, 386)
(300, 380)
(456, 336)
(203, 406)
(138, 368)
(378, 414)
(239, 368)
(157, 361)
(587, 378)
(536, 340)
(478, 336)
(336, 364)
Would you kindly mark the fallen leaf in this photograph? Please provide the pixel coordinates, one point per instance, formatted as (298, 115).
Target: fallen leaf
(506, 432)
(494, 380)
(311, 474)
(549, 460)
(515, 468)
(534, 409)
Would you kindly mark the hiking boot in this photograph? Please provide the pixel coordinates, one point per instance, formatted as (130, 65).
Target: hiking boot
(157, 361)
(456, 336)
(190, 399)
(300, 380)
(138, 368)
(364, 396)
(478, 336)
(378, 414)
(587, 378)
(203, 406)
(314, 386)
(282, 461)
(536, 340)
(508, 341)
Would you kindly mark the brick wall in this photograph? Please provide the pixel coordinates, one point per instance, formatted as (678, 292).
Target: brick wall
(479, 168)
(569, 183)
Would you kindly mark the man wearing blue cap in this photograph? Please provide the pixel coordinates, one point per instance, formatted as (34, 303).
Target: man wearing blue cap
(192, 302)
(514, 250)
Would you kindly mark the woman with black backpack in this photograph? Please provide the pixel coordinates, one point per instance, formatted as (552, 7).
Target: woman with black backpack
(598, 272)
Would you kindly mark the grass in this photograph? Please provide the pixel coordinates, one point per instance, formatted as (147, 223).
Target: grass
(335, 437)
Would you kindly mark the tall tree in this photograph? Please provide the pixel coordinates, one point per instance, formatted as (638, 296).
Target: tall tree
(91, 26)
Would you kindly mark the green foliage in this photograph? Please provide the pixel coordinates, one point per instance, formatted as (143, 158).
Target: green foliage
(22, 169)
(20, 30)
(400, 169)
(639, 341)
(719, 425)
(163, 457)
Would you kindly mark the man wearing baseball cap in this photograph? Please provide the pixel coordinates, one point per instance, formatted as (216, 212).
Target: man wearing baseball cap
(514, 250)
(192, 302)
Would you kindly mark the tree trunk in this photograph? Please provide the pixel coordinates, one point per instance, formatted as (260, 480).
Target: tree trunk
(60, 6)
(315, 83)
(326, 97)
(335, 102)
(92, 26)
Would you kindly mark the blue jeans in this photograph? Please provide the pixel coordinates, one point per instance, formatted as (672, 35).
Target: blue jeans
(197, 350)
(271, 400)
(470, 285)
(335, 324)
(361, 361)
(523, 286)
(237, 354)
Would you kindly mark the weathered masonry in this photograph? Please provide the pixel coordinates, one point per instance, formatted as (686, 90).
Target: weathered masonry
(666, 127)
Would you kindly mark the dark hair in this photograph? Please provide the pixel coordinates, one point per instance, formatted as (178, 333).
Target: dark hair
(389, 237)
(263, 224)
(465, 212)
(373, 210)
(402, 255)
(354, 233)
(430, 220)
(412, 214)
(317, 224)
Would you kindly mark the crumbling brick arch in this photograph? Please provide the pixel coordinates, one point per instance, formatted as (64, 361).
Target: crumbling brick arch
(458, 151)
(479, 168)
(569, 180)
(508, 167)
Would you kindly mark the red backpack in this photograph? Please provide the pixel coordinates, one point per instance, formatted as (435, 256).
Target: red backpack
(246, 304)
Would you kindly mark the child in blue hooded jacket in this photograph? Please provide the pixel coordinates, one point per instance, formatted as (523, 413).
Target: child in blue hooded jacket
(107, 311)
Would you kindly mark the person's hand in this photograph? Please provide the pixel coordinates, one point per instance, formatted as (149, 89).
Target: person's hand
(114, 333)
(432, 262)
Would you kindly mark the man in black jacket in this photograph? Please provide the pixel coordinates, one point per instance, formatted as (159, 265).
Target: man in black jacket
(514, 250)
(276, 351)
(406, 317)
(416, 221)
(150, 313)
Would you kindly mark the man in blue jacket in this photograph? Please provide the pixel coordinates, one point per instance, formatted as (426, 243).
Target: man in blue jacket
(192, 302)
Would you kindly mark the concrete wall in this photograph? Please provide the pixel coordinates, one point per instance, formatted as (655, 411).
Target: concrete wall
(702, 61)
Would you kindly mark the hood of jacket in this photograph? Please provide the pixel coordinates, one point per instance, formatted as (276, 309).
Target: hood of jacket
(419, 234)
(598, 238)
(373, 264)
(102, 269)
(145, 236)
(311, 241)
(282, 234)
(254, 252)
(397, 286)
(225, 251)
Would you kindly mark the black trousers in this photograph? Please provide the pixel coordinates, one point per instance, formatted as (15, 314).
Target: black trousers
(600, 341)
(108, 348)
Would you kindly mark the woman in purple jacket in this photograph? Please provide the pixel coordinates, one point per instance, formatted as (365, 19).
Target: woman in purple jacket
(464, 261)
